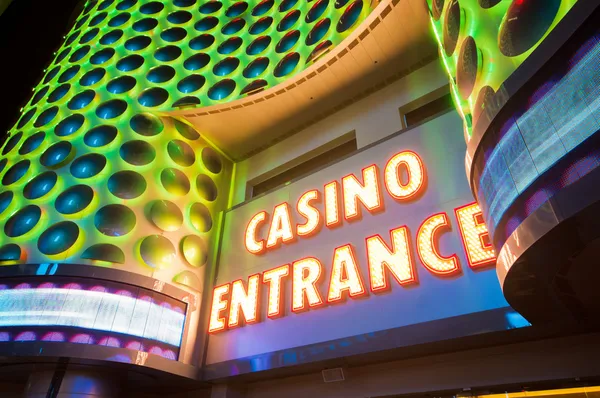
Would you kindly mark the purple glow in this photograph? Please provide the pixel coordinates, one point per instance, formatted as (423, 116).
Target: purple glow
(110, 342)
(135, 345)
(26, 336)
(54, 336)
(82, 338)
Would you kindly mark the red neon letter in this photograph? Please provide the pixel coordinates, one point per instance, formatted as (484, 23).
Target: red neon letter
(427, 248)
(273, 277)
(332, 206)
(313, 219)
(475, 236)
(252, 245)
(217, 323)
(397, 260)
(246, 301)
(281, 226)
(416, 175)
(306, 274)
(368, 194)
(344, 275)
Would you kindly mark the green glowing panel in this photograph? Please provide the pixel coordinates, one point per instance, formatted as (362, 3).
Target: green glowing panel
(482, 42)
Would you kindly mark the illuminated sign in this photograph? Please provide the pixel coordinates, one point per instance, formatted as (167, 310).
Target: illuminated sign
(387, 259)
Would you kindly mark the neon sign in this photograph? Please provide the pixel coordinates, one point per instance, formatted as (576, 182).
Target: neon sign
(389, 260)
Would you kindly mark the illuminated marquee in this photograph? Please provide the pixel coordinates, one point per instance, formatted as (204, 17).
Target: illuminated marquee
(404, 179)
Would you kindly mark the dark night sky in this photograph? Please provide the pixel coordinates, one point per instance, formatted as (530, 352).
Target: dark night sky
(30, 31)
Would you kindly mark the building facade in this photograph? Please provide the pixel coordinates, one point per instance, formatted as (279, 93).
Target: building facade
(306, 198)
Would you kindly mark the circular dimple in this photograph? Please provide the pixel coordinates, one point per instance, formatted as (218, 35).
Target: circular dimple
(201, 42)
(259, 45)
(111, 37)
(233, 26)
(58, 238)
(316, 11)
(104, 252)
(3, 163)
(437, 7)
(318, 32)
(319, 50)
(212, 160)
(254, 87)
(100, 136)
(10, 252)
(236, 9)
(184, 3)
(350, 16)
(40, 185)
(16, 172)
(62, 55)
(130, 63)
(6, 198)
(105, 4)
(121, 85)
(191, 84)
(173, 34)
(111, 109)
(226, 66)
(81, 100)
(138, 43)
(144, 25)
(197, 61)
(286, 5)
(452, 27)
(119, 20)
(262, 7)
(79, 54)
(167, 53)
(22, 221)
(467, 67)
(32, 143)
(524, 24)
(288, 41)
(81, 22)
(102, 56)
(289, 20)
(59, 93)
(194, 250)
(127, 184)
(152, 8)
(57, 155)
(137, 152)
(210, 7)
(88, 165)
(115, 220)
(166, 215)
(153, 97)
(175, 181)
(74, 199)
(206, 188)
(487, 3)
(261, 25)
(39, 95)
(160, 74)
(52, 74)
(206, 24)
(181, 153)
(146, 124)
(179, 17)
(484, 99)
(221, 90)
(185, 101)
(98, 18)
(69, 125)
(157, 251)
(126, 4)
(200, 217)
(287, 65)
(186, 130)
(92, 77)
(26, 117)
(12, 142)
(89, 35)
(46, 117)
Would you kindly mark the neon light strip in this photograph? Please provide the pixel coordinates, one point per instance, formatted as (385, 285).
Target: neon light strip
(91, 310)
